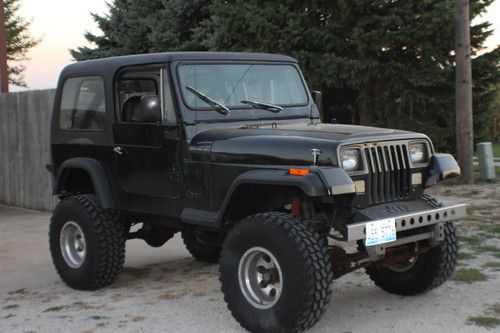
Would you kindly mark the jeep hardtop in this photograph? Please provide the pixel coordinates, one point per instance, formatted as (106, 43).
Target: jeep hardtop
(229, 150)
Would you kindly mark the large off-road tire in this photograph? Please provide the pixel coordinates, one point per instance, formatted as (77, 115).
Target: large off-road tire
(203, 246)
(289, 258)
(428, 271)
(87, 243)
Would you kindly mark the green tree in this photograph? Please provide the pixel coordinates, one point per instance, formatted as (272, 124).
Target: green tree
(125, 30)
(134, 27)
(382, 63)
(378, 62)
(19, 42)
(174, 25)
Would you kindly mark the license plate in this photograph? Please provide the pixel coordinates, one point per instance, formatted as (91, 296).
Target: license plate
(380, 232)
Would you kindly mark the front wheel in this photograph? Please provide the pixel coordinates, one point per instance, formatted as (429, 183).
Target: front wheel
(275, 273)
(420, 273)
(87, 243)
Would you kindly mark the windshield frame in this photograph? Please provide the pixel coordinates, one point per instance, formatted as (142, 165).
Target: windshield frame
(243, 62)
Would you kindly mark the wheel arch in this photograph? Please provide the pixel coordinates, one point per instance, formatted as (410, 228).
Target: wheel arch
(256, 191)
(317, 183)
(84, 175)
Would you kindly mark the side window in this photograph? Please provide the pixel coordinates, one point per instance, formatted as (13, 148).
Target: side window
(138, 97)
(83, 104)
(136, 87)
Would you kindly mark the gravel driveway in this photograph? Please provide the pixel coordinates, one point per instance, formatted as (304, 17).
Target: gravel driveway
(165, 290)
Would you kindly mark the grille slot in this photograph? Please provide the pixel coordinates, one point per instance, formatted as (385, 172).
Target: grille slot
(388, 172)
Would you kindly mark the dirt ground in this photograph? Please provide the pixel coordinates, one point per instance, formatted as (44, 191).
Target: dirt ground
(165, 290)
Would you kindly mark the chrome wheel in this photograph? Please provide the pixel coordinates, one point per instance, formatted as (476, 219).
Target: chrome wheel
(73, 246)
(406, 265)
(403, 266)
(260, 277)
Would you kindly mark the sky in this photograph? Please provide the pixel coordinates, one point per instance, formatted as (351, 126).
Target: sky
(61, 25)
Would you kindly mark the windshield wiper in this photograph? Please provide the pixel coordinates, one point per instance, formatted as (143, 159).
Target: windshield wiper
(265, 106)
(218, 106)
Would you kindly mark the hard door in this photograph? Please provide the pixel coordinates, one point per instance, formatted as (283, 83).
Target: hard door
(146, 136)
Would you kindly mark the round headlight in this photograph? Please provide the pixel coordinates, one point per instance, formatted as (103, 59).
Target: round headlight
(417, 152)
(349, 159)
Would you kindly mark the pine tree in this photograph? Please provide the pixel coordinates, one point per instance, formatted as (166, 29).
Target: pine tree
(19, 42)
(175, 24)
(134, 27)
(125, 30)
(381, 63)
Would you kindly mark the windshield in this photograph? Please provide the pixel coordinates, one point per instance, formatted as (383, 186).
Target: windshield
(233, 85)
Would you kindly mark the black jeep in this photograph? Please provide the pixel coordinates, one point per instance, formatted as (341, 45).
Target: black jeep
(229, 149)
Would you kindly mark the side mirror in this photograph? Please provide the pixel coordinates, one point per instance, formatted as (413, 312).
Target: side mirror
(150, 109)
(318, 100)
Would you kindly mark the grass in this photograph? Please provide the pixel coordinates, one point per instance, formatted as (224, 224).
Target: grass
(479, 208)
(11, 306)
(465, 256)
(468, 275)
(495, 308)
(97, 317)
(470, 240)
(492, 264)
(496, 149)
(489, 226)
(54, 309)
(137, 272)
(488, 248)
(482, 321)
(497, 169)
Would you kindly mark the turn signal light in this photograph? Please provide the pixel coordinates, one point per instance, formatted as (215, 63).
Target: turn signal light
(298, 172)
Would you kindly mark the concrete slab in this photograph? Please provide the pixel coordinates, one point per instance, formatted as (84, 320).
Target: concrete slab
(24, 250)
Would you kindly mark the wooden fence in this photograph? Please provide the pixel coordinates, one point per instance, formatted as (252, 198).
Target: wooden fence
(25, 149)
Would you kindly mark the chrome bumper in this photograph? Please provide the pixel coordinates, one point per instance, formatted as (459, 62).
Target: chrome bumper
(420, 219)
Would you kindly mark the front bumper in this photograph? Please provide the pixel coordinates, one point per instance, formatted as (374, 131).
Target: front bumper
(430, 222)
(356, 231)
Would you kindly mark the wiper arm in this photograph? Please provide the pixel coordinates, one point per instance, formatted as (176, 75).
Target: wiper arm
(218, 106)
(265, 106)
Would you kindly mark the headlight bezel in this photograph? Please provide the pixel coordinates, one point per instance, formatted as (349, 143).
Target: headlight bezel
(355, 152)
(425, 152)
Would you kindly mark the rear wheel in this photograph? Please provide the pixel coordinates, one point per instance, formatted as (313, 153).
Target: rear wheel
(275, 273)
(203, 246)
(87, 243)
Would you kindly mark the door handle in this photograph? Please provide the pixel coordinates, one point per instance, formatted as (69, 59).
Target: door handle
(118, 150)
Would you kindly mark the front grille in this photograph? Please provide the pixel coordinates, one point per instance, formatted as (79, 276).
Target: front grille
(388, 172)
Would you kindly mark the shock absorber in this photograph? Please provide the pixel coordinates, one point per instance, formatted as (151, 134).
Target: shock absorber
(297, 208)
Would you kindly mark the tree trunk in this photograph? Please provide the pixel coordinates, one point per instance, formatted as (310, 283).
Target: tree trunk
(463, 91)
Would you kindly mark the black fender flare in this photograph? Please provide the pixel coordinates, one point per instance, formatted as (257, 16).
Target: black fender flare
(97, 174)
(443, 166)
(319, 182)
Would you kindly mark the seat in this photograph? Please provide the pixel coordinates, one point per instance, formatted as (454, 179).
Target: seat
(131, 111)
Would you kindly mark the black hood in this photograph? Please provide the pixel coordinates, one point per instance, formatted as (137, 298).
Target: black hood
(290, 144)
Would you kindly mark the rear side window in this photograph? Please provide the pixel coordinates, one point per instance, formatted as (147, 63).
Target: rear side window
(83, 103)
